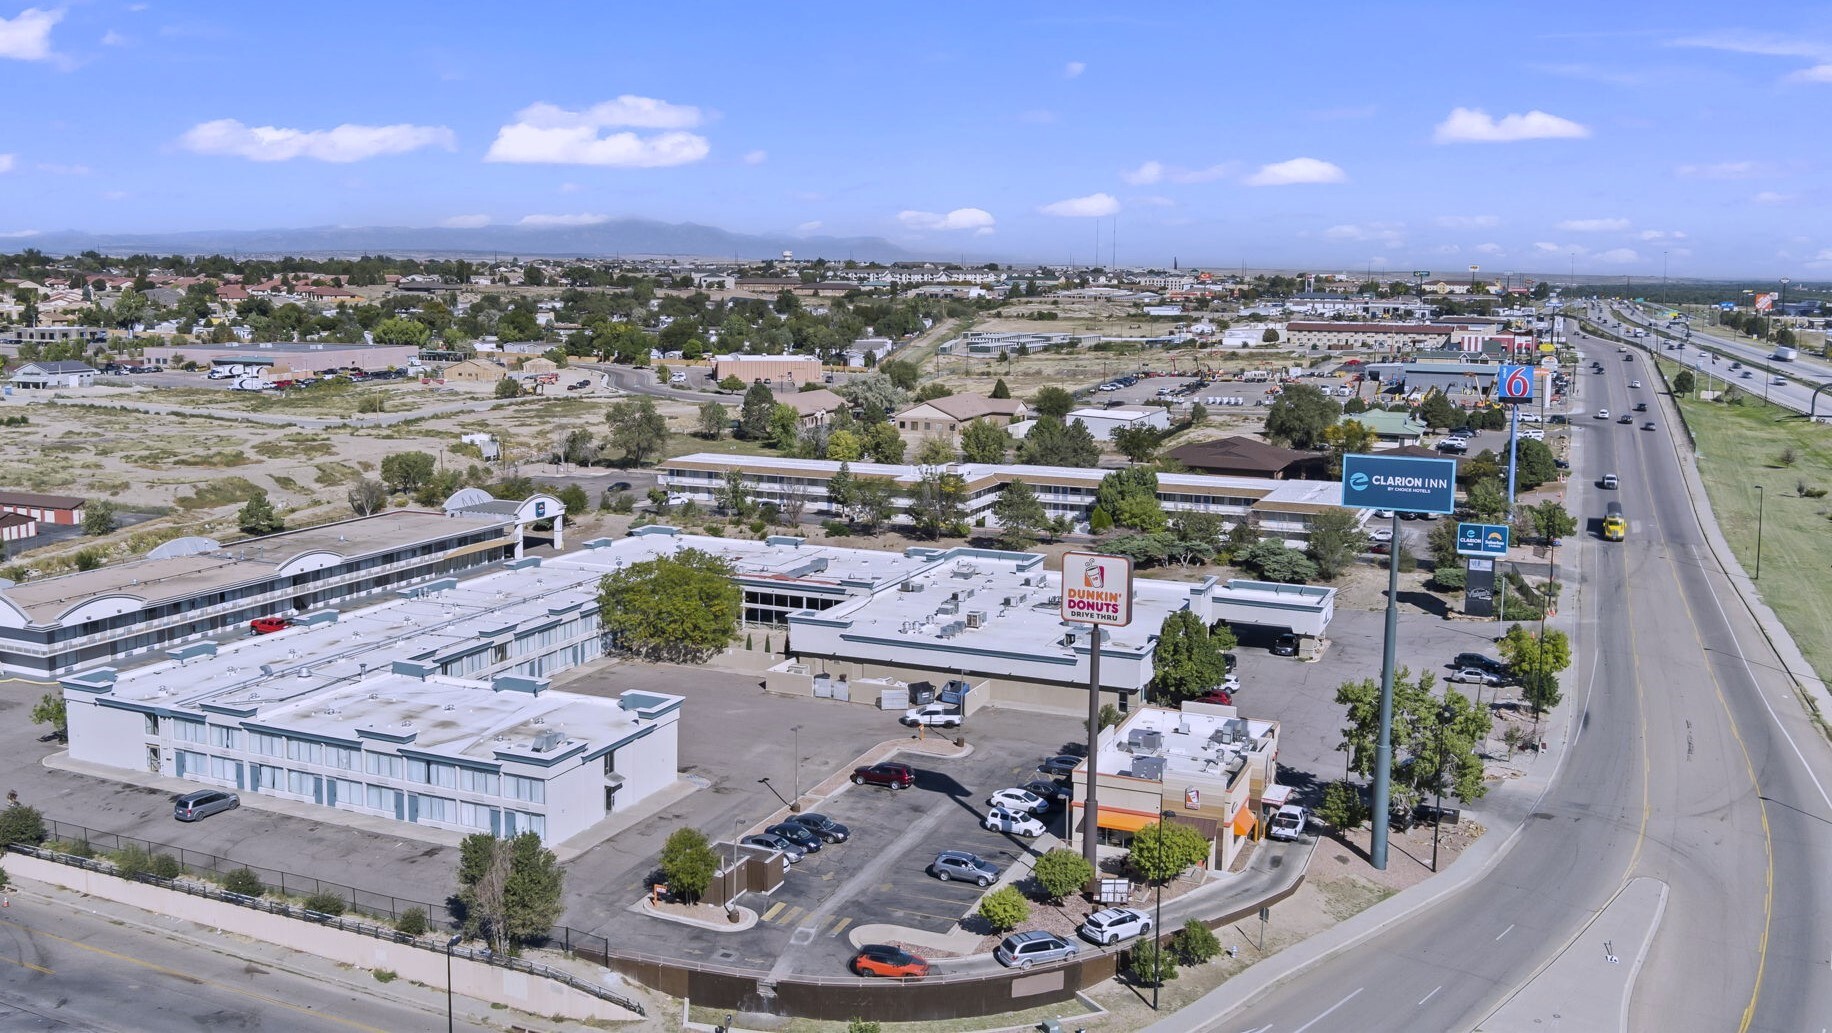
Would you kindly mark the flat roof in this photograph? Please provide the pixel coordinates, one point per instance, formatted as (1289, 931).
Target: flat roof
(1192, 741)
(154, 581)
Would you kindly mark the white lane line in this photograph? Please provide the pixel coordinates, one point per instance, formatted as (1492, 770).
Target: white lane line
(1430, 995)
(1327, 1011)
(1504, 932)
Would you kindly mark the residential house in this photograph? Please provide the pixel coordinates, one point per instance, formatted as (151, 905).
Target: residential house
(813, 407)
(1240, 456)
(945, 416)
(41, 375)
(474, 371)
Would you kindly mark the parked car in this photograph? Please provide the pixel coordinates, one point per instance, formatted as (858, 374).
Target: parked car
(1109, 926)
(882, 959)
(1285, 645)
(770, 841)
(959, 864)
(1453, 446)
(1017, 823)
(802, 836)
(1528, 417)
(1288, 822)
(822, 826)
(1381, 534)
(1018, 800)
(269, 625)
(196, 806)
(1474, 676)
(889, 773)
(934, 715)
(1059, 765)
(1051, 791)
(1482, 660)
(1221, 696)
(1022, 950)
(1532, 434)
(617, 486)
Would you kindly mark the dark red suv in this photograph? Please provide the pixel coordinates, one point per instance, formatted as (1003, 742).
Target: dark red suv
(897, 776)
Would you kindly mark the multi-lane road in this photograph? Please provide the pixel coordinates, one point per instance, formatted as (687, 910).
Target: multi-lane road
(1688, 760)
(1712, 355)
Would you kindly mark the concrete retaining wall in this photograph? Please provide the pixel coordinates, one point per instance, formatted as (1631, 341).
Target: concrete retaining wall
(472, 979)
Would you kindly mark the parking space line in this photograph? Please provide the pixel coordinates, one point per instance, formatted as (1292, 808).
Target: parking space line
(771, 913)
(839, 926)
(789, 915)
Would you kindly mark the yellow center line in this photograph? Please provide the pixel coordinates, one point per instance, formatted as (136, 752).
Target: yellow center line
(27, 964)
(189, 978)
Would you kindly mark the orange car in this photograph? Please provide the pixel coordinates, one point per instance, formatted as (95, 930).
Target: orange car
(880, 959)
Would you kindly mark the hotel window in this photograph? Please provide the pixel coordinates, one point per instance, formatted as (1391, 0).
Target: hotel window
(535, 823)
(305, 750)
(383, 764)
(341, 757)
(189, 731)
(473, 781)
(379, 798)
(268, 776)
(349, 792)
(194, 763)
(267, 745)
(225, 738)
(416, 770)
(437, 808)
(474, 815)
(531, 790)
(443, 775)
(299, 782)
(223, 768)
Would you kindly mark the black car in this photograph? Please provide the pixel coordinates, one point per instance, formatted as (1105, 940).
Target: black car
(1060, 765)
(1054, 793)
(1478, 660)
(1229, 660)
(618, 486)
(1285, 645)
(797, 833)
(823, 826)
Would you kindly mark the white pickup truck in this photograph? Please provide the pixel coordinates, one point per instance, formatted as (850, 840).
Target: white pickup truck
(934, 715)
(1288, 824)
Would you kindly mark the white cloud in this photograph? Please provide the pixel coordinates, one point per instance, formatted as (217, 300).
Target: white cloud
(115, 195)
(6, 162)
(465, 222)
(581, 219)
(1091, 206)
(1662, 235)
(56, 169)
(807, 227)
(1552, 248)
(1619, 254)
(1391, 234)
(345, 143)
(1145, 174)
(1488, 249)
(1297, 170)
(757, 157)
(1467, 222)
(1721, 170)
(1815, 74)
(1157, 201)
(1594, 225)
(1449, 249)
(112, 38)
(547, 134)
(1825, 254)
(14, 234)
(1739, 42)
(27, 37)
(1074, 69)
(1772, 197)
(959, 219)
(1473, 125)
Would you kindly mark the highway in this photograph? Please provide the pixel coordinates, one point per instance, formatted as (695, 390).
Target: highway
(1711, 356)
(1686, 758)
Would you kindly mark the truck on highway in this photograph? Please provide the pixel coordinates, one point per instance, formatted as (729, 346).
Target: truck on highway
(1785, 354)
(1615, 523)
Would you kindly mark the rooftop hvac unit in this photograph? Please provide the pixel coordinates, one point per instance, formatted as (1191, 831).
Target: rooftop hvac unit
(1237, 729)
(1147, 739)
(1148, 767)
(547, 741)
(912, 585)
(976, 618)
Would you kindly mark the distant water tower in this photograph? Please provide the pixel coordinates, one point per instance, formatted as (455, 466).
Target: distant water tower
(788, 256)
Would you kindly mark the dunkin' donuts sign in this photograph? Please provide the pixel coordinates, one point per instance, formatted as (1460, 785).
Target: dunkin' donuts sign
(1097, 589)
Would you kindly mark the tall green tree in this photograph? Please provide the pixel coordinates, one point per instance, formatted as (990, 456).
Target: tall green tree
(1299, 416)
(1336, 538)
(680, 608)
(408, 332)
(1684, 383)
(1439, 412)
(935, 451)
(754, 415)
(983, 441)
(1487, 499)
(1129, 496)
(1053, 402)
(50, 710)
(1163, 849)
(258, 516)
(1271, 560)
(714, 421)
(999, 390)
(1537, 661)
(511, 889)
(1021, 516)
(638, 430)
(1346, 437)
(1053, 443)
(938, 503)
(1139, 444)
(367, 496)
(883, 444)
(1551, 521)
(688, 863)
(1418, 732)
(1187, 661)
(99, 518)
(1534, 464)
(406, 471)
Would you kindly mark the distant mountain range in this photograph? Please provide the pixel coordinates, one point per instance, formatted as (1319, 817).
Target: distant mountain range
(617, 237)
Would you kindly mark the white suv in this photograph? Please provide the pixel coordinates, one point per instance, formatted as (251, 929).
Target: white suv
(935, 715)
(1111, 925)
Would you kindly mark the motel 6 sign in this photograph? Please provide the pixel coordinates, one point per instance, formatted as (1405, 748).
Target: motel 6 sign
(1514, 384)
(1097, 589)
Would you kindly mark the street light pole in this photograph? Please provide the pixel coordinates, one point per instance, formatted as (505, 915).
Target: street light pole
(1761, 497)
(1157, 930)
(795, 801)
(449, 944)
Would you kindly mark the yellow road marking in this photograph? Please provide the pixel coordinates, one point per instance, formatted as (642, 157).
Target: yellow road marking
(839, 925)
(188, 977)
(774, 908)
(27, 964)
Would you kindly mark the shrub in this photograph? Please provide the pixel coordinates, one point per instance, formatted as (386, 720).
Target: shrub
(1150, 964)
(1342, 808)
(132, 862)
(836, 528)
(21, 824)
(1448, 577)
(1062, 872)
(244, 882)
(412, 922)
(326, 903)
(863, 1026)
(1789, 457)
(385, 975)
(166, 866)
(1195, 943)
(1004, 908)
(75, 848)
(88, 559)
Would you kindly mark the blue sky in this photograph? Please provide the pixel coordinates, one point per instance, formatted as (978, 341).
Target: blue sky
(1611, 138)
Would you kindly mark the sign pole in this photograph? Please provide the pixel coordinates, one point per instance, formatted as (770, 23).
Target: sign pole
(1383, 747)
(1097, 592)
(1090, 806)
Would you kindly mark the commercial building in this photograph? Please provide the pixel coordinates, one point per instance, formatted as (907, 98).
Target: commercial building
(1281, 508)
(16, 528)
(474, 371)
(64, 510)
(1103, 422)
(193, 587)
(768, 369)
(1343, 336)
(290, 355)
(993, 343)
(45, 375)
(1239, 456)
(1204, 765)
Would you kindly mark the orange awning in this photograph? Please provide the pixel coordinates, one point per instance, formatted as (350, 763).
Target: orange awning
(1125, 821)
(1244, 821)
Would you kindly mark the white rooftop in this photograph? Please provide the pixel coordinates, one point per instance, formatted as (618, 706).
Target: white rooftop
(1198, 741)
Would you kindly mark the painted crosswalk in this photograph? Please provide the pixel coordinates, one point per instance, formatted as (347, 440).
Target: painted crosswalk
(785, 914)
